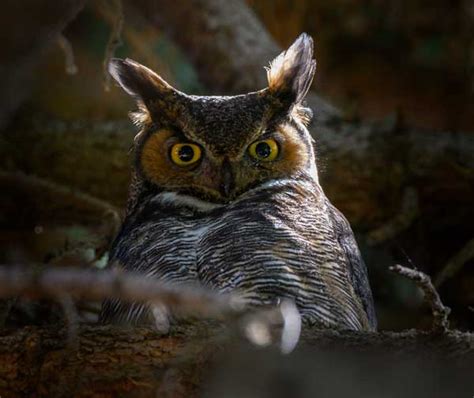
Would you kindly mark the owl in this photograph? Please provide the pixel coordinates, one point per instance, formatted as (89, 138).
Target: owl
(225, 194)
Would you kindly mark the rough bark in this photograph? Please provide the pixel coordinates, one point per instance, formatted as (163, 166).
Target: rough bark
(109, 361)
(106, 362)
(37, 25)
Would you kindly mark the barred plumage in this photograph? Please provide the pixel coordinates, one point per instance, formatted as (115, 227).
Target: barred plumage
(262, 229)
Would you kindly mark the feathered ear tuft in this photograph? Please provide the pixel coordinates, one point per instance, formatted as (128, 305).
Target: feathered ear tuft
(155, 97)
(291, 73)
(137, 80)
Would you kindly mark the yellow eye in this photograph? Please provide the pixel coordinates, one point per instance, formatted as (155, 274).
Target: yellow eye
(185, 154)
(265, 150)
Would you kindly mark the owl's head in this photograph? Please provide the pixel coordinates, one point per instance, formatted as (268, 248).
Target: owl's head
(217, 148)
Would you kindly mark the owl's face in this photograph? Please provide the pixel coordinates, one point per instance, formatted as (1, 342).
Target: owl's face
(217, 148)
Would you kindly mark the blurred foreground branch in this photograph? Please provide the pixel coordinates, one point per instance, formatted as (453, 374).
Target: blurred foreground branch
(91, 360)
(37, 282)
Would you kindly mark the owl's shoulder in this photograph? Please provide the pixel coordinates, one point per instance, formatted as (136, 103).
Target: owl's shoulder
(356, 265)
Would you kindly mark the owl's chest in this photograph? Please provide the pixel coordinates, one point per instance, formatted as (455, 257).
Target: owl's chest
(254, 249)
(251, 245)
(258, 251)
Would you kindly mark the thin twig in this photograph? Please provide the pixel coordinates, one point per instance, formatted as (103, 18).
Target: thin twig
(66, 47)
(439, 310)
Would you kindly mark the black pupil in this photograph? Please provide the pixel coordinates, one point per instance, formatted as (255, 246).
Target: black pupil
(186, 153)
(263, 150)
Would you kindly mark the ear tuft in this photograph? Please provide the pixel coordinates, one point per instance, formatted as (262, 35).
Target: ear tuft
(138, 80)
(116, 69)
(291, 73)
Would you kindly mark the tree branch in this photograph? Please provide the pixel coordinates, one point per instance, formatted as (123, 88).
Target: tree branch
(137, 362)
(38, 282)
(423, 281)
(121, 361)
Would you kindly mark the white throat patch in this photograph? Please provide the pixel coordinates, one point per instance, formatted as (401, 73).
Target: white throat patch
(180, 200)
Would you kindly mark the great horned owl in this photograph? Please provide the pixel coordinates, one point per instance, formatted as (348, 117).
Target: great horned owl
(225, 194)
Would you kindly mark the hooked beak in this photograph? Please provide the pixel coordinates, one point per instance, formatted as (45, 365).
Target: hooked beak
(227, 182)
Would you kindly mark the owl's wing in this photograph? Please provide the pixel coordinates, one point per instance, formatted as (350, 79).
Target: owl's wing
(356, 265)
